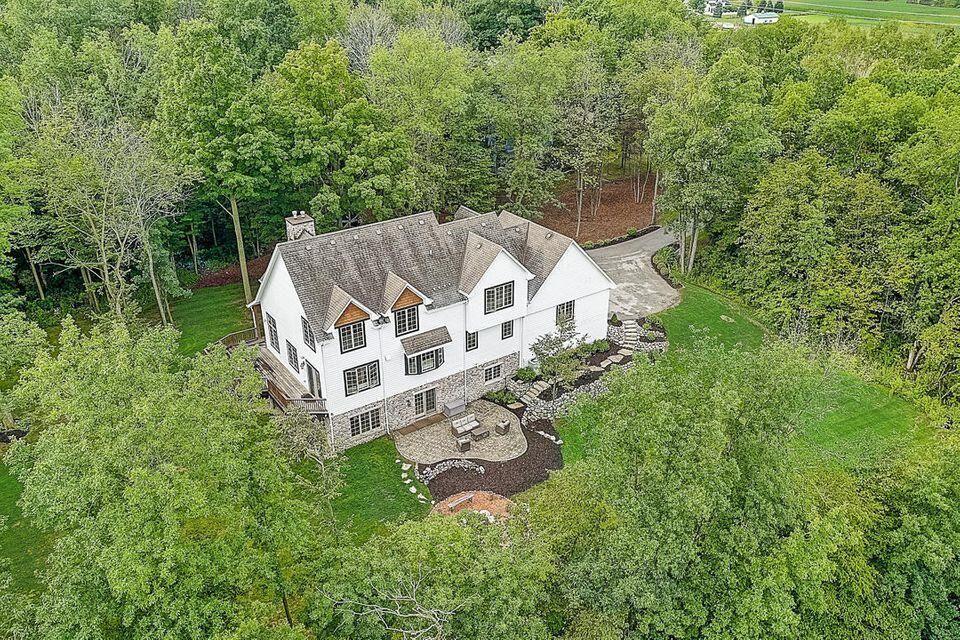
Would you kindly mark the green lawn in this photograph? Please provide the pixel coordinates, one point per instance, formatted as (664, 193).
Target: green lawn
(870, 12)
(374, 493)
(858, 420)
(208, 315)
(22, 547)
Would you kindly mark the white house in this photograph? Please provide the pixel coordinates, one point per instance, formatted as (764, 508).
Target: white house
(764, 17)
(372, 328)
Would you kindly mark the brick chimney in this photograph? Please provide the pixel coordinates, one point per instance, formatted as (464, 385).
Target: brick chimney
(300, 225)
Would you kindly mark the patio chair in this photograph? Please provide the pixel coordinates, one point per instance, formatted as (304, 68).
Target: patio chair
(502, 428)
(464, 443)
(464, 424)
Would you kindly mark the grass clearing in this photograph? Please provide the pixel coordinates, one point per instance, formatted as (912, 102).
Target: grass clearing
(374, 494)
(858, 420)
(23, 547)
(208, 315)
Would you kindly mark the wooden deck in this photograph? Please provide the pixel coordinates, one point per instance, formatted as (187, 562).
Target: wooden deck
(285, 389)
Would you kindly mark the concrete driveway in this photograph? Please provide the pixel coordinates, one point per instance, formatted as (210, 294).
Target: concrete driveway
(640, 289)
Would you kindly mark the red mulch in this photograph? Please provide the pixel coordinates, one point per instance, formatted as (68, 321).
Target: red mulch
(504, 478)
(492, 503)
(229, 275)
(618, 212)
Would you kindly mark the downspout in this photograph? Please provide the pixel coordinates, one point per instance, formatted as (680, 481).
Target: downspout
(466, 303)
(383, 377)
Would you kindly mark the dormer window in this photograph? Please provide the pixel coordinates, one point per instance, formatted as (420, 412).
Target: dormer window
(498, 297)
(407, 320)
(352, 337)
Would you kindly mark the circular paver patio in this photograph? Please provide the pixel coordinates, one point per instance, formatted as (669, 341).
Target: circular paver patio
(436, 442)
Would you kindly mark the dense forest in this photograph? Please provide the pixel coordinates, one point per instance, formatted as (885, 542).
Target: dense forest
(813, 171)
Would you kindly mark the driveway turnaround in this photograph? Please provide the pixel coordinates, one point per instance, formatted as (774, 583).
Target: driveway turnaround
(640, 289)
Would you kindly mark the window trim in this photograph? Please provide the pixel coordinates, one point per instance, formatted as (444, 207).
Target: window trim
(363, 335)
(292, 352)
(413, 365)
(499, 368)
(374, 424)
(367, 366)
(492, 291)
(505, 327)
(561, 313)
(476, 340)
(309, 338)
(416, 320)
(272, 333)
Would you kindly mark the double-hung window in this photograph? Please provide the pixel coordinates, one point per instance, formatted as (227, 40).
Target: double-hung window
(364, 422)
(292, 358)
(506, 330)
(565, 311)
(308, 338)
(352, 337)
(471, 340)
(357, 379)
(498, 297)
(424, 362)
(272, 332)
(406, 320)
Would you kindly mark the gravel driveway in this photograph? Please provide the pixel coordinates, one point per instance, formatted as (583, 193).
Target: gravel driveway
(640, 289)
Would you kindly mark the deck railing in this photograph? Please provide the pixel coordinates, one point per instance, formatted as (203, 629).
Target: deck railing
(244, 336)
(310, 405)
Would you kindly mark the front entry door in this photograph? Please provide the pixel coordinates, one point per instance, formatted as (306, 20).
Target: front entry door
(313, 381)
(425, 402)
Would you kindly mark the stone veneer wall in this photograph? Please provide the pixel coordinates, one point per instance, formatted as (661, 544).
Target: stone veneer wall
(400, 407)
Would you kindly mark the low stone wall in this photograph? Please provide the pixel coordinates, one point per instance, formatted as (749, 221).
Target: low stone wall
(551, 409)
(615, 334)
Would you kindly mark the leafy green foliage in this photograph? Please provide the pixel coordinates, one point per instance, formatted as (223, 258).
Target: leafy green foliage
(172, 507)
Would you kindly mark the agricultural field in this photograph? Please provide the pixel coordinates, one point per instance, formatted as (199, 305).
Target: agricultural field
(871, 12)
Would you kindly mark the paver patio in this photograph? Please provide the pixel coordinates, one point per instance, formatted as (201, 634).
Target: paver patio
(435, 442)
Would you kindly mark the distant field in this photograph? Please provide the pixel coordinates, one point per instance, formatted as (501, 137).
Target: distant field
(870, 12)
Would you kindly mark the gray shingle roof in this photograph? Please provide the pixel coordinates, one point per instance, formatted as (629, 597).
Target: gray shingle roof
(426, 340)
(369, 263)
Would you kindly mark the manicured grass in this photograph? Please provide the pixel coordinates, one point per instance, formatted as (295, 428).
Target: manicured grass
(22, 547)
(208, 315)
(870, 12)
(374, 494)
(857, 421)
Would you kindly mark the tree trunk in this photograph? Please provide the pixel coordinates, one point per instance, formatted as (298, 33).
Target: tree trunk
(656, 191)
(913, 357)
(579, 201)
(36, 275)
(88, 287)
(166, 303)
(683, 245)
(643, 190)
(241, 253)
(153, 280)
(213, 229)
(693, 244)
(192, 243)
(286, 607)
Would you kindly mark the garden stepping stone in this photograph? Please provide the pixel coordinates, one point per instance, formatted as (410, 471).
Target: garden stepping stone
(515, 405)
(594, 368)
(625, 352)
(407, 481)
(404, 475)
(405, 466)
(421, 497)
(616, 358)
(413, 489)
(606, 363)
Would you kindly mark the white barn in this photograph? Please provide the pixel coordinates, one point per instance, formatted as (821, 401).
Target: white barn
(373, 328)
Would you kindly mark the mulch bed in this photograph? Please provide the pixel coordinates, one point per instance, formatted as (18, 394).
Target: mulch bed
(618, 213)
(596, 358)
(230, 275)
(504, 478)
(666, 276)
(492, 503)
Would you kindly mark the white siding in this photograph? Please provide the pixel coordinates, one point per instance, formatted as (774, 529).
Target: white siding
(280, 300)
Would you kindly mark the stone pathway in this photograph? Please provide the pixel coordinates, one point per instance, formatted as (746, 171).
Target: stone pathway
(538, 387)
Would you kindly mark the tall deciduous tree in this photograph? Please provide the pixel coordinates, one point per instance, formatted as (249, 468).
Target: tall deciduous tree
(212, 117)
(173, 511)
(711, 141)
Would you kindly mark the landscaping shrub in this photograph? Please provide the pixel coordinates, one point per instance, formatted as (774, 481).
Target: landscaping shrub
(526, 374)
(502, 397)
(614, 321)
(633, 232)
